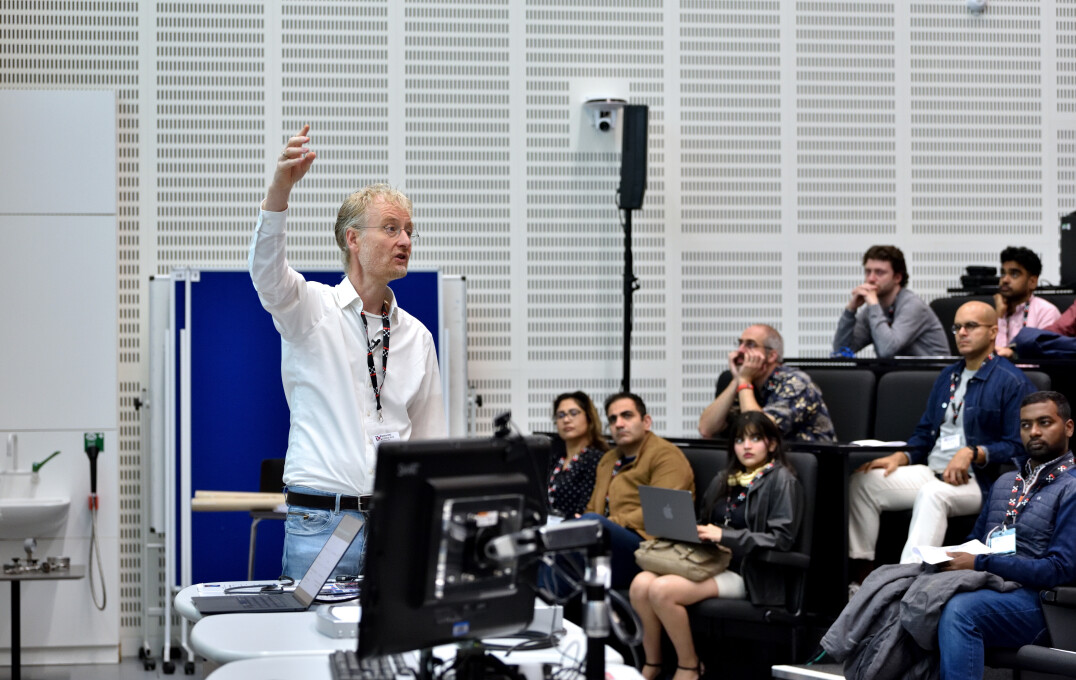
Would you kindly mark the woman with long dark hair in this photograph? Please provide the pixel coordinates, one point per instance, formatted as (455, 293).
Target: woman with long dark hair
(571, 479)
(756, 503)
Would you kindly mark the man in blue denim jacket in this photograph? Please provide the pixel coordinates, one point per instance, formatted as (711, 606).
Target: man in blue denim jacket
(971, 421)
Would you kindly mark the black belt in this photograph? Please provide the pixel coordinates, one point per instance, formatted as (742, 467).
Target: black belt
(307, 500)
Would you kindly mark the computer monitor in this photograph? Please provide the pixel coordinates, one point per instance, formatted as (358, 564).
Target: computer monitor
(435, 505)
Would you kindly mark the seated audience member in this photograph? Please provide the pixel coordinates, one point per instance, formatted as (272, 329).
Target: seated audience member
(756, 503)
(572, 478)
(1065, 324)
(912, 621)
(640, 458)
(970, 421)
(761, 383)
(1016, 304)
(884, 312)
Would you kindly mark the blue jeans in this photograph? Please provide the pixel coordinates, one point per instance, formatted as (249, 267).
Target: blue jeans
(306, 530)
(623, 543)
(975, 620)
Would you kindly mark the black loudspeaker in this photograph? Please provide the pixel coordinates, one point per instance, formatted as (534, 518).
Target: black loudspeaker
(1068, 250)
(633, 157)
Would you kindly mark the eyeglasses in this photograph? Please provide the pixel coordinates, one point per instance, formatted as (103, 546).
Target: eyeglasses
(393, 231)
(969, 327)
(750, 344)
(570, 413)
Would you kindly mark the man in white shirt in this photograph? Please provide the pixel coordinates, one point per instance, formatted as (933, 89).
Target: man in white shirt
(335, 345)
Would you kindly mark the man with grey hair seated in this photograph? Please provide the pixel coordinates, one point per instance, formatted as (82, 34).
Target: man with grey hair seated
(760, 382)
(335, 345)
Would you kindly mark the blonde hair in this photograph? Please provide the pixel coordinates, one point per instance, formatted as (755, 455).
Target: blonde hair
(353, 211)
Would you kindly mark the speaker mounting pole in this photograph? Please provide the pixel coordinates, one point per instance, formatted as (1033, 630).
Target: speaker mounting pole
(630, 198)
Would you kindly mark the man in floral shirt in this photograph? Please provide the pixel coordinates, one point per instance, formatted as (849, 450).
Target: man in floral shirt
(761, 383)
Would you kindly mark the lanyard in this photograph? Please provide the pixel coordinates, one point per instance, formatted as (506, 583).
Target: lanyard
(384, 355)
(731, 504)
(954, 382)
(620, 462)
(1008, 330)
(1026, 490)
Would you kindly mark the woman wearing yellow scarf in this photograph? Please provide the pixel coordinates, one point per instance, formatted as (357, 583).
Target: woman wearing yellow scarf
(757, 503)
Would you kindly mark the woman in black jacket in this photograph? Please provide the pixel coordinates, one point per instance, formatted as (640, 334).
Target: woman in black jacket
(756, 503)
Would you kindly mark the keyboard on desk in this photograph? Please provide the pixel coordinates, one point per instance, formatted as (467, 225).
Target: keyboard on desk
(346, 665)
(260, 601)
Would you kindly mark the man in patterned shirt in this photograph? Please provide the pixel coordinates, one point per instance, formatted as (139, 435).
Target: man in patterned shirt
(761, 383)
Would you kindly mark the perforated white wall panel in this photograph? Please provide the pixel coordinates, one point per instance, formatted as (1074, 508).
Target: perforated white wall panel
(786, 136)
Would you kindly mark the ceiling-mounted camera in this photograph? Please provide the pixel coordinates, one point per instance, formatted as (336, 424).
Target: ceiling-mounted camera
(603, 110)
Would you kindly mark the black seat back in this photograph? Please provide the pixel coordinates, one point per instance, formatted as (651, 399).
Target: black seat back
(271, 479)
(849, 395)
(902, 398)
(945, 309)
(1041, 380)
(806, 467)
(706, 462)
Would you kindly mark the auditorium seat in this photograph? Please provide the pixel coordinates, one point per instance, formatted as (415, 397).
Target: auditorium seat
(902, 397)
(1041, 380)
(723, 620)
(849, 396)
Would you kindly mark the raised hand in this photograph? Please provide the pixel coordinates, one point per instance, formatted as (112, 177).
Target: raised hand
(754, 361)
(292, 164)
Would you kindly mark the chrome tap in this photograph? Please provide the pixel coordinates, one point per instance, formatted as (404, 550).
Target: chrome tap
(13, 454)
(13, 451)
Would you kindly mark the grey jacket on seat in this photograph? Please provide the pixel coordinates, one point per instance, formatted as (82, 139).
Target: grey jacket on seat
(890, 628)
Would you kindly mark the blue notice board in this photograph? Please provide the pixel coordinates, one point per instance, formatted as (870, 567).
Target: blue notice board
(238, 412)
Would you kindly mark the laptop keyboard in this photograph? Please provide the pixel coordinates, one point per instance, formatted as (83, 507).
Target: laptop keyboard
(265, 601)
(346, 665)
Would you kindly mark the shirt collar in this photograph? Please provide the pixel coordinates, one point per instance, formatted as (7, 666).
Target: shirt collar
(985, 369)
(345, 294)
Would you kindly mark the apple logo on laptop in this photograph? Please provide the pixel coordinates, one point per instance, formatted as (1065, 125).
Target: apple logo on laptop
(667, 511)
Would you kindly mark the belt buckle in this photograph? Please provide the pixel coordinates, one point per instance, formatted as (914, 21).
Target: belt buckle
(364, 502)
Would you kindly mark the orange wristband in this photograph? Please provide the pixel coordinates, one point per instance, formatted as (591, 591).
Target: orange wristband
(746, 386)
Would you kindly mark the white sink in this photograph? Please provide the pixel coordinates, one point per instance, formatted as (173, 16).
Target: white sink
(32, 517)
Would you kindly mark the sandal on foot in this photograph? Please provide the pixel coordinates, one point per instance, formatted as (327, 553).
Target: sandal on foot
(655, 665)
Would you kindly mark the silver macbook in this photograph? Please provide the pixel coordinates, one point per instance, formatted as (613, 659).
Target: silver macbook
(304, 594)
(669, 513)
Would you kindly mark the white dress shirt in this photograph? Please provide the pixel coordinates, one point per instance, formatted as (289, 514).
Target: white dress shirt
(334, 422)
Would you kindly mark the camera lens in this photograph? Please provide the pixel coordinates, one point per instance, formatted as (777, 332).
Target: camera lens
(604, 126)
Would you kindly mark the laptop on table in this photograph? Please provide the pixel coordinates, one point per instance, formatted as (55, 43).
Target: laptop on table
(669, 513)
(298, 600)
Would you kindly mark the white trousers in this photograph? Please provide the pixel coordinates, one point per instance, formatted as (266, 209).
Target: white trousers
(912, 486)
